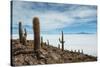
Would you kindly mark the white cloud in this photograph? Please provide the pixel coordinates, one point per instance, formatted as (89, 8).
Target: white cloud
(53, 19)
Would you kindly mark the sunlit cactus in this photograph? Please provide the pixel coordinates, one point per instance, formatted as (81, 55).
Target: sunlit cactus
(62, 41)
(36, 30)
(20, 32)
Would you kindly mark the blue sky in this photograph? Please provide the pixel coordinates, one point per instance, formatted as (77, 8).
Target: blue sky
(55, 17)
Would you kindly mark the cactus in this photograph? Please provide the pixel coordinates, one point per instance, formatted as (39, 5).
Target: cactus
(25, 33)
(71, 50)
(36, 29)
(62, 41)
(24, 37)
(45, 43)
(41, 41)
(74, 50)
(20, 32)
(48, 42)
(24, 41)
(78, 51)
(82, 51)
(58, 46)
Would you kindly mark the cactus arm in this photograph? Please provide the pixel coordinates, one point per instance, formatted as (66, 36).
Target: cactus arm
(60, 40)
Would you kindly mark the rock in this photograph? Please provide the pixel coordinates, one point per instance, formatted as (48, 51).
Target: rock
(29, 60)
(43, 52)
(54, 56)
(19, 60)
(42, 61)
(42, 56)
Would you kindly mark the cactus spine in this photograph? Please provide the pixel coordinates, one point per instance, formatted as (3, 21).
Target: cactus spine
(36, 29)
(62, 41)
(20, 32)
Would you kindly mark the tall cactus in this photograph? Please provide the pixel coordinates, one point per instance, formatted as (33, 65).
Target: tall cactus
(20, 32)
(36, 29)
(62, 41)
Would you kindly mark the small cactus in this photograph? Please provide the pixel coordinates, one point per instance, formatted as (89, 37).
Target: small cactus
(41, 41)
(74, 50)
(48, 42)
(82, 51)
(36, 30)
(58, 46)
(45, 43)
(24, 40)
(62, 41)
(78, 51)
(71, 50)
(20, 32)
(25, 34)
(24, 37)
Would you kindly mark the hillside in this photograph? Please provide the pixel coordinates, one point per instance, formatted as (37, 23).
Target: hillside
(25, 55)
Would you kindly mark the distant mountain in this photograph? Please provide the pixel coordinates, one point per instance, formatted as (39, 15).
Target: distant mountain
(83, 33)
(80, 33)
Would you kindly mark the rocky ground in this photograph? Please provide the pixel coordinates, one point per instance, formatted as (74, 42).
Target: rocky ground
(25, 55)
